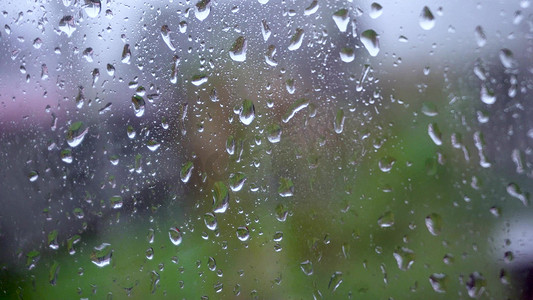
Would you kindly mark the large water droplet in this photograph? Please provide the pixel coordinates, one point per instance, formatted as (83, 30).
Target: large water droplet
(203, 8)
(426, 20)
(210, 221)
(295, 107)
(274, 133)
(165, 34)
(296, 40)
(507, 59)
(438, 282)
(347, 54)
(434, 224)
(92, 8)
(243, 234)
(476, 285)
(186, 171)
(341, 19)
(307, 267)
(247, 112)
(220, 197)
(286, 187)
(75, 134)
(404, 258)
(67, 25)
(370, 40)
(481, 38)
(138, 105)
(312, 8)
(335, 281)
(236, 181)
(238, 50)
(386, 220)
(101, 255)
(375, 10)
(338, 125)
(175, 236)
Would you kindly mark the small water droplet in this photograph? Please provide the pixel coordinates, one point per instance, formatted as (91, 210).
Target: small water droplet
(165, 34)
(236, 181)
(476, 285)
(404, 258)
(339, 121)
(286, 187)
(274, 133)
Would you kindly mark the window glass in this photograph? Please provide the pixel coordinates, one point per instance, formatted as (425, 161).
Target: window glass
(266, 149)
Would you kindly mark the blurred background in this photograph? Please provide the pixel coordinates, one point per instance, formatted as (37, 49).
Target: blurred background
(268, 149)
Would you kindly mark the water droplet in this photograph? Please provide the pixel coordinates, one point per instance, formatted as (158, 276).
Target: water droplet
(75, 134)
(149, 253)
(67, 25)
(439, 282)
(138, 105)
(435, 134)
(155, 277)
(426, 20)
(238, 50)
(53, 272)
(281, 212)
(286, 187)
(341, 19)
(481, 38)
(476, 285)
(247, 112)
(220, 197)
(165, 34)
(203, 8)
(33, 176)
(116, 202)
(376, 10)
(296, 40)
(386, 220)
(236, 181)
(93, 8)
(199, 79)
(307, 267)
(153, 145)
(335, 281)
(404, 258)
(514, 191)
(429, 109)
(243, 234)
(338, 125)
(211, 264)
(210, 221)
(295, 107)
(434, 224)
(507, 59)
(265, 30)
(370, 40)
(101, 255)
(347, 54)
(274, 133)
(230, 145)
(312, 8)
(175, 236)
(487, 95)
(126, 54)
(186, 171)
(385, 164)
